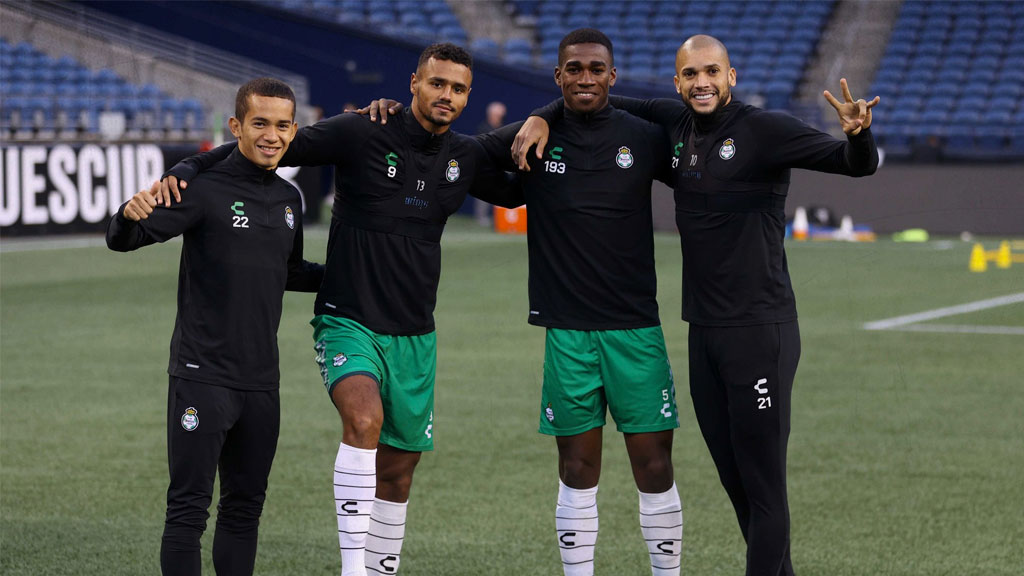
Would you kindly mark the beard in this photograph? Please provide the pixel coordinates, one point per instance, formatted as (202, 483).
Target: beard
(724, 98)
(437, 121)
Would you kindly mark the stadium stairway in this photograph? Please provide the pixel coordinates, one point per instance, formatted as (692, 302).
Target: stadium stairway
(142, 57)
(851, 46)
(489, 19)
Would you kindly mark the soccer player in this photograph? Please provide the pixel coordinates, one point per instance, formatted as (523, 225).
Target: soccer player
(592, 285)
(242, 249)
(731, 165)
(395, 186)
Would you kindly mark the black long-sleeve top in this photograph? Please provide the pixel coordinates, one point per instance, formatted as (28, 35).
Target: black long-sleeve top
(590, 232)
(395, 186)
(242, 249)
(730, 174)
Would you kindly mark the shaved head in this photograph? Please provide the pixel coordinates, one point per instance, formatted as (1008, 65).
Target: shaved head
(704, 78)
(701, 42)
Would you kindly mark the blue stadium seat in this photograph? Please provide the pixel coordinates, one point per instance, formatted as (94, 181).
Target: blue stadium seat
(994, 118)
(484, 46)
(519, 59)
(946, 87)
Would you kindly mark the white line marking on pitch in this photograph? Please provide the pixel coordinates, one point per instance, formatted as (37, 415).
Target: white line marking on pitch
(963, 329)
(909, 322)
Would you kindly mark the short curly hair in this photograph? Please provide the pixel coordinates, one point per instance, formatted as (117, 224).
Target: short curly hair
(446, 51)
(584, 36)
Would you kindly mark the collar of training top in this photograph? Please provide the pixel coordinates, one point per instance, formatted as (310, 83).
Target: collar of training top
(420, 138)
(707, 123)
(244, 167)
(598, 115)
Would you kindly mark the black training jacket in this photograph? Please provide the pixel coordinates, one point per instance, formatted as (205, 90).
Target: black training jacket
(395, 186)
(242, 249)
(590, 231)
(731, 173)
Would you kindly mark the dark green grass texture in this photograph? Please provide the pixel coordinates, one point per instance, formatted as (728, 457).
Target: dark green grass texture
(906, 456)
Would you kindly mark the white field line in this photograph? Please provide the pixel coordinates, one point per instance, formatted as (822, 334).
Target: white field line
(962, 329)
(50, 243)
(909, 321)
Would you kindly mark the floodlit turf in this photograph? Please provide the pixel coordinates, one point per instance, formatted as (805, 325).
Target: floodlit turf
(906, 456)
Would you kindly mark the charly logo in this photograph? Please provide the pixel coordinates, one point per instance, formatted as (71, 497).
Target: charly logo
(625, 158)
(392, 159)
(289, 217)
(728, 149)
(339, 359)
(452, 174)
(239, 219)
(190, 419)
(549, 413)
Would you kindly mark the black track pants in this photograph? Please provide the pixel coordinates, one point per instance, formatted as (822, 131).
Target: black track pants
(209, 428)
(741, 382)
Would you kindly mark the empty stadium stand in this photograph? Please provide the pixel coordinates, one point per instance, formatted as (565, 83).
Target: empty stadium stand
(420, 20)
(59, 97)
(951, 78)
(770, 41)
(951, 81)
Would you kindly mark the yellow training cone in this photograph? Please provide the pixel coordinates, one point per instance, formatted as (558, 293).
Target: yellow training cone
(978, 262)
(1003, 255)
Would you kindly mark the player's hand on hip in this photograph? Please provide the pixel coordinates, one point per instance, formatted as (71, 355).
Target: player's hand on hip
(142, 204)
(167, 187)
(854, 116)
(534, 131)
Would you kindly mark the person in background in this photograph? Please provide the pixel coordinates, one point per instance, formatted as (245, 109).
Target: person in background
(494, 119)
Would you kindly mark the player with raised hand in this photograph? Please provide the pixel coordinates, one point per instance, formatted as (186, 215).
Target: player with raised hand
(730, 171)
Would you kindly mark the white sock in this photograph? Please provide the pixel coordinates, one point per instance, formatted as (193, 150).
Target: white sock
(384, 542)
(576, 527)
(661, 522)
(355, 482)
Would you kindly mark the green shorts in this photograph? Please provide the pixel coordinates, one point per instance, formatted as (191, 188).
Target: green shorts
(403, 367)
(625, 371)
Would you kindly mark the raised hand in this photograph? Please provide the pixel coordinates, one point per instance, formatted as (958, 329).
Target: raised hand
(854, 116)
(534, 131)
(142, 204)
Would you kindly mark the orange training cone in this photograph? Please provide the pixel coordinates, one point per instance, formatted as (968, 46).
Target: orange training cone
(800, 224)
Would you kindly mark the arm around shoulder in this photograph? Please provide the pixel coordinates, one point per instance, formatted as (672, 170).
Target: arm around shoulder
(657, 110)
(329, 141)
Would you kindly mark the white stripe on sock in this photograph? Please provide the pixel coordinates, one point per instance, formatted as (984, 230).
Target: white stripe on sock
(355, 482)
(387, 532)
(661, 523)
(576, 526)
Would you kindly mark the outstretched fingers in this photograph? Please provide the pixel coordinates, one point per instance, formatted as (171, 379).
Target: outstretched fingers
(846, 90)
(832, 100)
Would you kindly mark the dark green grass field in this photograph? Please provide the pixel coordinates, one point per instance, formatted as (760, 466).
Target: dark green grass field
(906, 457)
